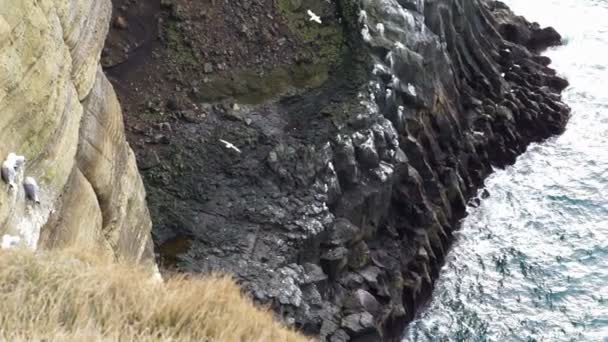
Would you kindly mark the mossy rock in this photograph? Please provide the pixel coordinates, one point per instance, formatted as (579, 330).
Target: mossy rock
(325, 42)
(256, 86)
(323, 48)
(179, 51)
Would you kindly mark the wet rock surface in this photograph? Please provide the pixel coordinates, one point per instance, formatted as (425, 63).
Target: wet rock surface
(337, 204)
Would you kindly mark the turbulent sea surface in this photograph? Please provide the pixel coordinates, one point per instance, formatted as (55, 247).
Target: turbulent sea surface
(531, 262)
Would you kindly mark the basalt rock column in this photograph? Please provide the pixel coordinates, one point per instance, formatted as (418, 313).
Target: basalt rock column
(341, 206)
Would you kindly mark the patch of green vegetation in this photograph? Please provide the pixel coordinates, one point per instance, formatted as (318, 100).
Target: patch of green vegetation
(255, 86)
(336, 43)
(324, 42)
(322, 48)
(179, 50)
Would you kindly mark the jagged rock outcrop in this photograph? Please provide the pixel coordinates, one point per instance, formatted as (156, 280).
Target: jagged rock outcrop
(341, 206)
(59, 111)
(338, 206)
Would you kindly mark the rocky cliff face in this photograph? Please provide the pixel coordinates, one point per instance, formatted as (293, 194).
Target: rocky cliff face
(335, 203)
(353, 160)
(58, 110)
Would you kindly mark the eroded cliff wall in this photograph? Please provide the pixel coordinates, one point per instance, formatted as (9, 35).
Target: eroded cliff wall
(340, 202)
(59, 111)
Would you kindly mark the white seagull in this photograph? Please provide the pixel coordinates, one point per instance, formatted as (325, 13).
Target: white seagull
(8, 173)
(380, 28)
(17, 161)
(31, 189)
(411, 89)
(9, 241)
(10, 166)
(314, 17)
(230, 146)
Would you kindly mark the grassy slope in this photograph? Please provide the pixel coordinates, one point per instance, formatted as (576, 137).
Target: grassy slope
(66, 296)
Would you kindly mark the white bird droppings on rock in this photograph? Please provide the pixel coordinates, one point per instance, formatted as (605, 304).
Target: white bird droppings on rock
(399, 46)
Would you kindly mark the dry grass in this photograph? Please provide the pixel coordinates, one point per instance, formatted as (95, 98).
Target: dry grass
(63, 296)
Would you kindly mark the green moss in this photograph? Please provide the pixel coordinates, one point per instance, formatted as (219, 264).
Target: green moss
(256, 86)
(324, 42)
(322, 48)
(179, 51)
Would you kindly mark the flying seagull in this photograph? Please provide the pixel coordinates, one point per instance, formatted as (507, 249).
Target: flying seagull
(230, 146)
(314, 17)
(31, 189)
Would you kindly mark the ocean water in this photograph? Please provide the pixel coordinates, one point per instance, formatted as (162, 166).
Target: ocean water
(531, 262)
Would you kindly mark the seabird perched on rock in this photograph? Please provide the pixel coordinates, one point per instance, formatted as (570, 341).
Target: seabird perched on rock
(230, 146)
(362, 17)
(10, 166)
(17, 161)
(411, 89)
(31, 189)
(314, 17)
(9, 241)
(380, 28)
(365, 33)
(8, 173)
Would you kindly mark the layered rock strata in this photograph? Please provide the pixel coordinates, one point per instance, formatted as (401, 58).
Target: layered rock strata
(59, 111)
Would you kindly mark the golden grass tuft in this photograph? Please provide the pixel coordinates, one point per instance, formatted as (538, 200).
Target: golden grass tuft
(66, 296)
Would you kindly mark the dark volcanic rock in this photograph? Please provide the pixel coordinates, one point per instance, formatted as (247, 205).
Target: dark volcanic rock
(341, 206)
(358, 324)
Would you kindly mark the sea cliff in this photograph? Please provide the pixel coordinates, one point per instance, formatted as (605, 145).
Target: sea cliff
(324, 165)
(358, 142)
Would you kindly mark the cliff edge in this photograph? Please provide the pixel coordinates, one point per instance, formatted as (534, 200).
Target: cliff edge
(58, 110)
